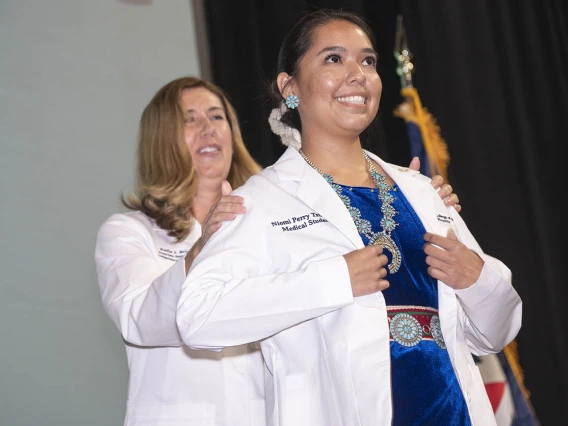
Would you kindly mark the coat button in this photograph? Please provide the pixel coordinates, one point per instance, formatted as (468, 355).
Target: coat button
(239, 368)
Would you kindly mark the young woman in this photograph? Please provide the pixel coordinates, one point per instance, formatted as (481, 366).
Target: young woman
(367, 293)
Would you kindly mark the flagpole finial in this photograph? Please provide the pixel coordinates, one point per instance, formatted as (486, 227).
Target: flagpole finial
(403, 55)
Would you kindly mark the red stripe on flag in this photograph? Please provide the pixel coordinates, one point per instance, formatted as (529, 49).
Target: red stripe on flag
(495, 392)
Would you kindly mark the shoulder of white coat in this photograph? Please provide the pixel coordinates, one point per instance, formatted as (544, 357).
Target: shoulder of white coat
(262, 197)
(119, 231)
(397, 170)
(127, 223)
(259, 186)
(406, 171)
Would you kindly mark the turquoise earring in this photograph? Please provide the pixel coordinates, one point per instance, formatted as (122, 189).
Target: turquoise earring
(292, 101)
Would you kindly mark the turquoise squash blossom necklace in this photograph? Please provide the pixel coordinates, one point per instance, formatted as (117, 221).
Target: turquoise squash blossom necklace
(383, 237)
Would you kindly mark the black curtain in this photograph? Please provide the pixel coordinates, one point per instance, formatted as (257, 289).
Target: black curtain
(493, 73)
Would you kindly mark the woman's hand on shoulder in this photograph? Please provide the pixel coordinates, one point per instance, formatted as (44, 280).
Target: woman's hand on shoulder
(445, 191)
(225, 209)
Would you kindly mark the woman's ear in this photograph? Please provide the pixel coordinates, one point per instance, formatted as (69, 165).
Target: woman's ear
(283, 80)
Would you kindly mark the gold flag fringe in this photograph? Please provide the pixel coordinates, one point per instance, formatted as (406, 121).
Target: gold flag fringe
(412, 110)
(512, 354)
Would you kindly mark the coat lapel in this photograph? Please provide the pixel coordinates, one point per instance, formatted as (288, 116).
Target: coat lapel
(314, 191)
(416, 190)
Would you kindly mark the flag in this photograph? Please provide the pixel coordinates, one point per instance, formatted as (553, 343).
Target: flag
(497, 387)
(507, 394)
(524, 411)
(501, 373)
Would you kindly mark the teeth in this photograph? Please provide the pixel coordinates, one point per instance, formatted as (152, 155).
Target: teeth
(208, 149)
(352, 99)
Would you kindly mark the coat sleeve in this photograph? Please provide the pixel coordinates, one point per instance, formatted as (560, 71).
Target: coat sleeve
(491, 309)
(240, 289)
(137, 294)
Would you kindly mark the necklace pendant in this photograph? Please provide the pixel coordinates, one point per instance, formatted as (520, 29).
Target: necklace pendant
(388, 243)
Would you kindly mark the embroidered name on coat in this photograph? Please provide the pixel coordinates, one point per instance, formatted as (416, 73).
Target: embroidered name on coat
(170, 254)
(296, 223)
(445, 219)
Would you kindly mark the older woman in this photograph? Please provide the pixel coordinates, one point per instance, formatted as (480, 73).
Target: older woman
(189, 142)
(368, 294)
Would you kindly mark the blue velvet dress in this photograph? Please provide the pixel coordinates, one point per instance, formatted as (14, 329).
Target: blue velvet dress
(424, 386)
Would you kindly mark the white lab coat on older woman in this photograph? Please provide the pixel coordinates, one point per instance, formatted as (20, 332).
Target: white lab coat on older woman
(140, 272)
(278, 273)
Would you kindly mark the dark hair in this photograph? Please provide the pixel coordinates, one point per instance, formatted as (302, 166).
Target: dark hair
(297, 43)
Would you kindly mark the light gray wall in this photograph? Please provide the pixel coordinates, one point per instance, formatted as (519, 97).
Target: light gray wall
(74, 78)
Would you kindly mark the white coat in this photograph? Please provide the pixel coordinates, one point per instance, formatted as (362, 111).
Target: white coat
(140, 271)
(278, 273)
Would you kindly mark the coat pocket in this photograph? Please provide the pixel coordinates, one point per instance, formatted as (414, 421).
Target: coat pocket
(321, 396)
(303, 401)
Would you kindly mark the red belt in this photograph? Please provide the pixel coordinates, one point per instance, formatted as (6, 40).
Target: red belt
(409, 325)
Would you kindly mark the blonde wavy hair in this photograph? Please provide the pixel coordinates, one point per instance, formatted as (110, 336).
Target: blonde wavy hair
(166, 182)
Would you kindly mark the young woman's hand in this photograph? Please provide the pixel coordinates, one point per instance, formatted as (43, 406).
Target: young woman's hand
(451, 261)
(367, 270)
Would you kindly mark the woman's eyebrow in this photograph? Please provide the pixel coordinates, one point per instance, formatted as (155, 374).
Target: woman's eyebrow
(213, 108)
(331, 49)
(370, 51)
(343, 50)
